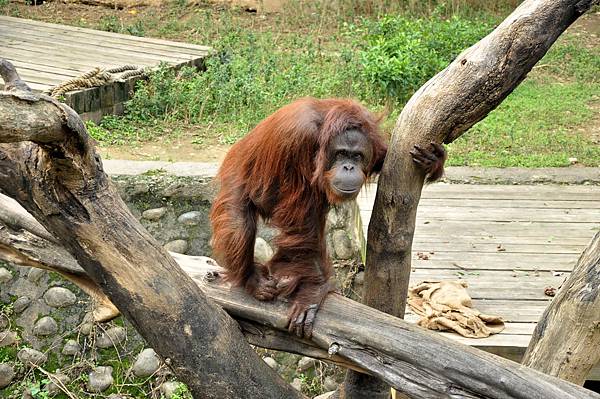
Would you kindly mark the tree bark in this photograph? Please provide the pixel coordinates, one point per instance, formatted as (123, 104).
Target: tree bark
(566, 340)
(440, 111)
(352, 335)
(49, 165)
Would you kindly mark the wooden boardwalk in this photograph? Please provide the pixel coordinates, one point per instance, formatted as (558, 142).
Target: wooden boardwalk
(507, 242)
(49, 54)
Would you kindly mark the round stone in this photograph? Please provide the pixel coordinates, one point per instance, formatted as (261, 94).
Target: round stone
(262, 251)
(100, 379)
(21, 304)
(146, 364)
(5, 275)
(192, 218)
(4, 321)
(297, 384)
(86, 328)
(29, 356)
(111, 337)
(169, 388)
(306, 363)
(271, 362)
(330, 384)
(35, 274)
(342, 245)
(154, 214)
(8, 338)
(59, 297)
(45, 326)
(7, 373)
(71, 348)
(178, 246)
(54, 388)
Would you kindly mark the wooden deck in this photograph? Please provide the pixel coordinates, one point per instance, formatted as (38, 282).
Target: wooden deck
(507, 242)
(48, 54)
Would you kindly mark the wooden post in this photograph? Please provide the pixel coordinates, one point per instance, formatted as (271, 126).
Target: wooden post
(566, 340)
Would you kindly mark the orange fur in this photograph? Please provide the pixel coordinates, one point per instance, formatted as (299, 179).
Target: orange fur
(279, 172)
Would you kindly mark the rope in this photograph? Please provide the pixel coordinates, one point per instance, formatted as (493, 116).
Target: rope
(96, 77)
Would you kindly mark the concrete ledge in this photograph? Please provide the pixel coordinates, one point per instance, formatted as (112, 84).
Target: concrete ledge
(454, 174)
(571, 175)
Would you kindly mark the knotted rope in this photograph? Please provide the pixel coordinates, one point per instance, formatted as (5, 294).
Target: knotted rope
(96, 77)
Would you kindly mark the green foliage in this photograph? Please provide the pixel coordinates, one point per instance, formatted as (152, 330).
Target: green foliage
(399, 54)
(244, 81)
(111, 23)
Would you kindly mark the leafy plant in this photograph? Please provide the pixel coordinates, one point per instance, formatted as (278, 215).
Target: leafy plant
(399, 54)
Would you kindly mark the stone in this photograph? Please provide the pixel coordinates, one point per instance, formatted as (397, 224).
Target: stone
(59, 297)
(100, 379)
(271, 362)
(21, 304)
(342, 245)
(35, 274)
(71, 348)
(178, 246)
(330, 384)
(7, 373)
(146, 364)
(359, 279)
(169, 388)
(262, 251)
(306, 363)
(45, 326)
(111, 337)
(192, 218)
(154, 214)
(8, 338)
(53, 387)
(297, 384)
(4, 321)
(115, 396)
(29, 356)
(5, 275)
(86, 328)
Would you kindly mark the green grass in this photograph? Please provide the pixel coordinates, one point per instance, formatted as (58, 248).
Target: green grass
(351, 50)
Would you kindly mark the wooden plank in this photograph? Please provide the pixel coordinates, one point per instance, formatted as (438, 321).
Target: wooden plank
(61, 61)
(36, 24)
(40, 50)
(459, 238)
(493, 247)
(508, 203)
(546, 230)
(510, 214)
(20, 65)
(24, 39)
(77, 38)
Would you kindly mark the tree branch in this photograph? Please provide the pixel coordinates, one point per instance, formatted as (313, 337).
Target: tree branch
(563, 339)
(440, 111)
(48, 164)
(423, 363)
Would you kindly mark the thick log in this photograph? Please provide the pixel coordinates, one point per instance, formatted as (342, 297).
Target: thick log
(48, 164)
(440, 111)
(352, 335)
(566, 340)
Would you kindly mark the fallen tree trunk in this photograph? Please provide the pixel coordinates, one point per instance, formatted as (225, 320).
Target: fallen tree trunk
(423, 363)
(566, 340)
(49, 165)
(477, 81)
